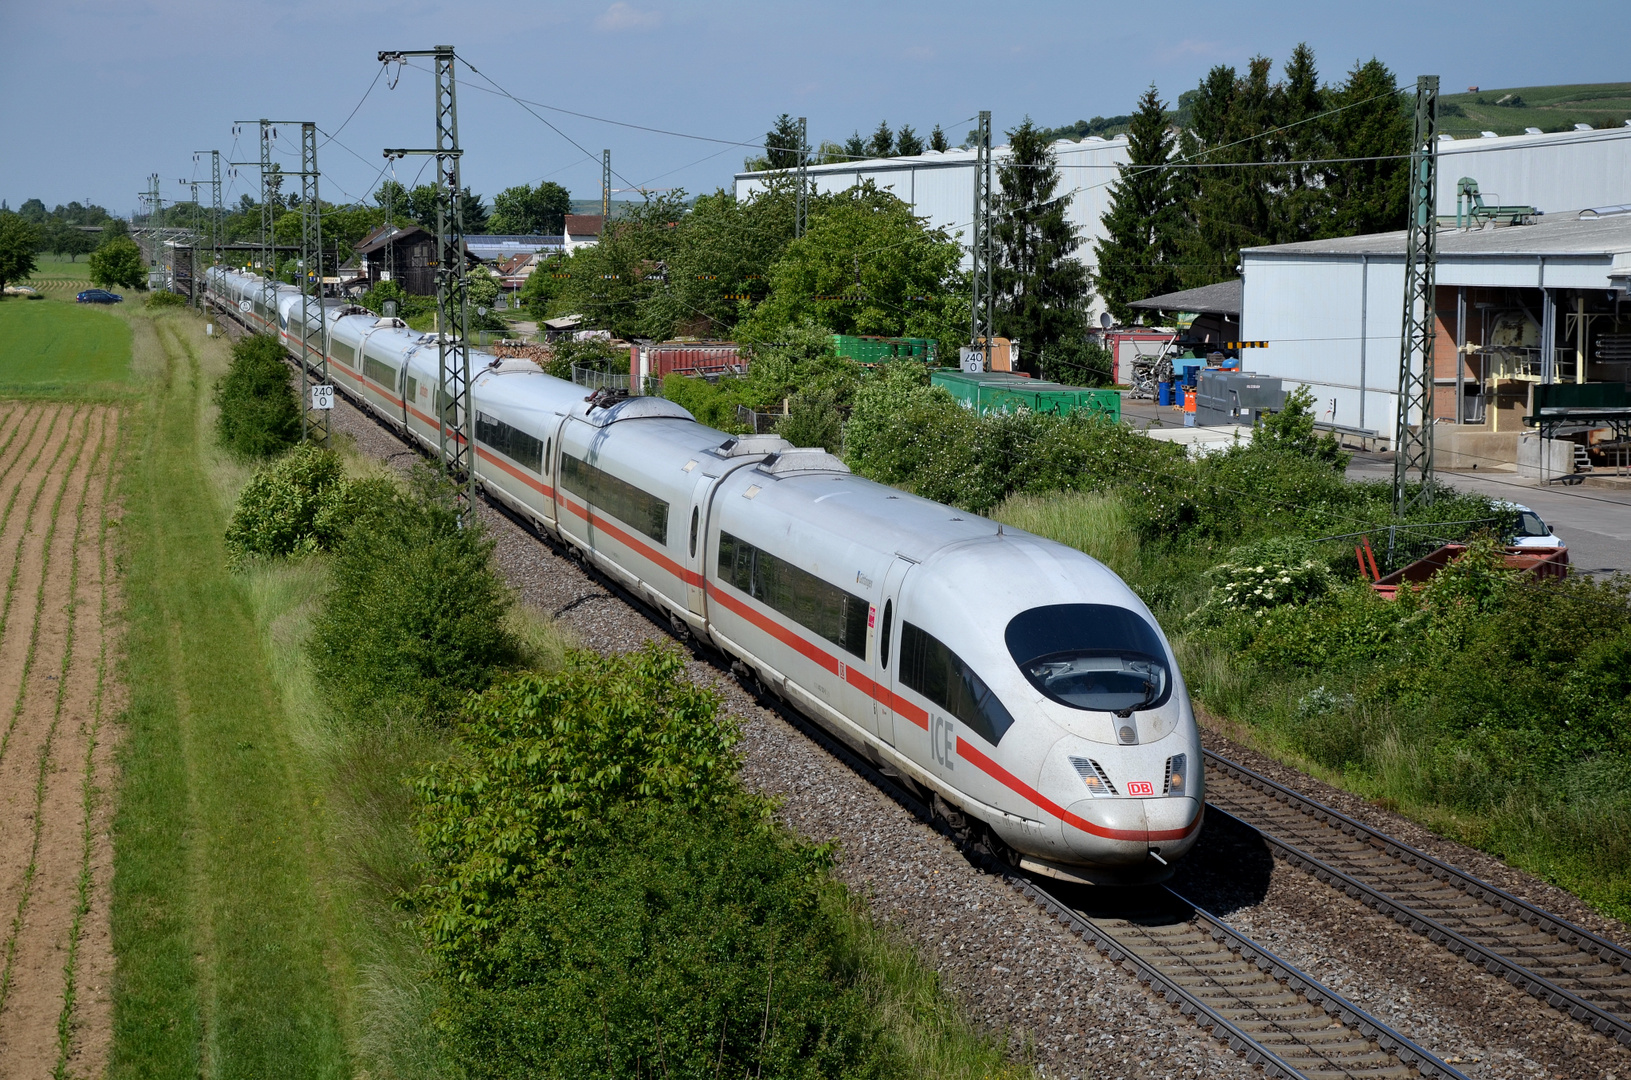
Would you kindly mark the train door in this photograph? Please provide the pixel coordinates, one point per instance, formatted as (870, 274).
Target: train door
(697, 543)
(886, 659)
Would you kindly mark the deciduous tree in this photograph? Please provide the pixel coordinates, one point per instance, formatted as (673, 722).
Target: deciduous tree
(118, 264)
(18, 240)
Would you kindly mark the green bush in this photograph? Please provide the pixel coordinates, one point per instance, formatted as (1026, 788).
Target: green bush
(164, 298)
(259, 413)
(414, 618)
(1267, 574)
(541, 760)
(685, 942)
(295, 505)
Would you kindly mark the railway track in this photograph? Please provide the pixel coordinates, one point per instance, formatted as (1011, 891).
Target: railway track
(1572, 969)
(1278, 1017)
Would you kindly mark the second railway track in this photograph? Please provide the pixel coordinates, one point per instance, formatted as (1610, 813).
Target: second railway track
(1569, 967)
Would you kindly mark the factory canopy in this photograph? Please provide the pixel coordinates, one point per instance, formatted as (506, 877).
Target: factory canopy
(1222, 298)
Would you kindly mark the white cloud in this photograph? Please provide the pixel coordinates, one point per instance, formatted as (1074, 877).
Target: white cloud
(621, 16)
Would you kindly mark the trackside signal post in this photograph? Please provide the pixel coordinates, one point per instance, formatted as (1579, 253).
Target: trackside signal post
(982, 303)
(1413, 449)
(454, 410)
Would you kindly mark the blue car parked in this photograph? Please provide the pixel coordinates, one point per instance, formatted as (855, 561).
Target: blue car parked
(100, 296)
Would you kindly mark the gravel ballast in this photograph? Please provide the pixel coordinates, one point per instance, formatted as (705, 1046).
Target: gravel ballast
(1016, 971)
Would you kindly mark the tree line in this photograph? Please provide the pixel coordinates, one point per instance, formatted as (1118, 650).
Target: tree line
(1257, 161)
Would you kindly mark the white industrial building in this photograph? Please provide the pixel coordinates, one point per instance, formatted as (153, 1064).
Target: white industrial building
(1517, 306)
(1556, 172)
(939, 186)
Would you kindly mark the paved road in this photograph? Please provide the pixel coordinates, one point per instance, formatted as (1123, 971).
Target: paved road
(1594, 522)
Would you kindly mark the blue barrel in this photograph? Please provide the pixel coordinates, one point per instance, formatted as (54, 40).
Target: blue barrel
(1164, 393)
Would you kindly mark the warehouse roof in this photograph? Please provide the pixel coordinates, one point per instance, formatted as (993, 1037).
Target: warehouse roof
(1595, 232)
(1221, 298)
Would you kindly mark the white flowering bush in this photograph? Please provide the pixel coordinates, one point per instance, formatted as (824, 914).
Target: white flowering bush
(1266, 575)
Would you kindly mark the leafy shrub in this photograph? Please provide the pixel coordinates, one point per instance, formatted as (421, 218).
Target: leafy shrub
(541, 760)
(686, 941)
(117, 264)
(164, 298)
(812, 420)
(1267, 574)
(1292, 429)
(414, 618)
(259, 413)
(295, 505)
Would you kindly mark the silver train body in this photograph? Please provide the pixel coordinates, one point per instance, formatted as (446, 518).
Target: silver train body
(1019, 680)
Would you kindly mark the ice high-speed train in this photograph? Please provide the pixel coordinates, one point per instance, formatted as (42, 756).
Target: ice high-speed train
(1016, 679)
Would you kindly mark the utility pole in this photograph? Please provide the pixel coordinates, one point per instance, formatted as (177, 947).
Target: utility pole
(452, 287)
(314, 422)
(1413, 449)
(605, 189)
(154, 201)
(801, 210)
(981, 306)
(215, 199)
(192, 248)
(268, 222)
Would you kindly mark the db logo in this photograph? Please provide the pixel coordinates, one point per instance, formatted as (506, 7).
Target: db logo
(1140, 787)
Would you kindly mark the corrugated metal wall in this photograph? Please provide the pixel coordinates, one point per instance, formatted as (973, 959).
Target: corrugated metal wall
(1566, 170)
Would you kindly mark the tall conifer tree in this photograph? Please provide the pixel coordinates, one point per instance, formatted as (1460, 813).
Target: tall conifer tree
(1041, 290)
(1138, 253)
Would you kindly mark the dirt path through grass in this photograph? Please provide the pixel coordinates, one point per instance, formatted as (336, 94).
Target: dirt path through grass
(55, 463)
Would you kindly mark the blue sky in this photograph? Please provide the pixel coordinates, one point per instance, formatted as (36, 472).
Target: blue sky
(98, 95)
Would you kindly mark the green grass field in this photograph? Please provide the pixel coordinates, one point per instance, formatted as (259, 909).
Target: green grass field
(54, 349)
(1550, 108)
(221, 928)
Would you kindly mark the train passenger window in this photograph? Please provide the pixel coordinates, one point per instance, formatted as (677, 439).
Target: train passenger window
(940, 675)
(814, 604)
(342, 351)
(617, 497)
(1091, 656)
(888, 626)
(413, 386)
(696, 517)
(378, 371)
(512, 442)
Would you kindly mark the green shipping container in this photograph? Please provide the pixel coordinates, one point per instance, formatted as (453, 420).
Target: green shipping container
(877, 350)
(999, 391)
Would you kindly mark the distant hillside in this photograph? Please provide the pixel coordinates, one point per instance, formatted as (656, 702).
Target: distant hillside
(1550, 108)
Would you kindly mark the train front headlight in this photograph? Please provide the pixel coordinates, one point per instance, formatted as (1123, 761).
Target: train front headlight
(1177, 776)
(1093, 777)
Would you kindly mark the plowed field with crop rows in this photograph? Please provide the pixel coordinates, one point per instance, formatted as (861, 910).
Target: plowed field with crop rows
(56, 700)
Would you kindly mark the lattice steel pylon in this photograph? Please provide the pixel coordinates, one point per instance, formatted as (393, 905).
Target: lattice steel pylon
(314, 422)
(605, 189)
(982, 303)
(215, 199)
(801, 205)
(1413, 447)
(457, 417)
(268, 267)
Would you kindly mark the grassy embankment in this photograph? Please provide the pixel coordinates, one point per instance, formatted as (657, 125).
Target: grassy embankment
(229, 959)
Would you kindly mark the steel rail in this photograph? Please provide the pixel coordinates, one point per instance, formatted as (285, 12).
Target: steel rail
(1516, 973)
(1187, 1002)
(1477, 888)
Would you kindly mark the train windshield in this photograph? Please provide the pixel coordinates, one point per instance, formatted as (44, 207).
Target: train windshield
(1091, 656)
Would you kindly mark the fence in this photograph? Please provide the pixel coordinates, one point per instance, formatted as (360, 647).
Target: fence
(761, 423)
(598, 378)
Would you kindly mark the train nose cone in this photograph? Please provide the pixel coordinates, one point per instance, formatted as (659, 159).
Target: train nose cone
(1116, 831)
(1108, 832)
